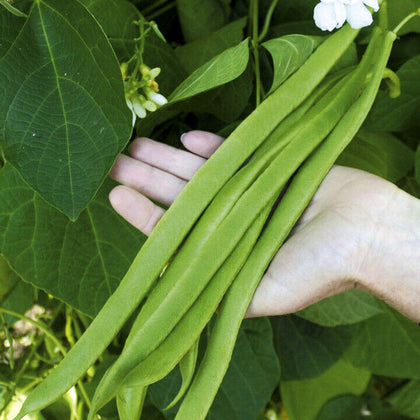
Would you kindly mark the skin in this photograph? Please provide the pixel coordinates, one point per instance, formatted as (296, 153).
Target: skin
(359, 230)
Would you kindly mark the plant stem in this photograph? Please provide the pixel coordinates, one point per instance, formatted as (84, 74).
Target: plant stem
(32, 353)
(45, 329)
(255, 44)
(268, 20)
(406, 20)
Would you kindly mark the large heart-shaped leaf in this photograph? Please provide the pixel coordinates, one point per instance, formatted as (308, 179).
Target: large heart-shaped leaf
(304, 399)
(388, 344)
(305, 349)
(78, 262)
(345, 308)
(407, 399)
(63, 116)
(199, 18)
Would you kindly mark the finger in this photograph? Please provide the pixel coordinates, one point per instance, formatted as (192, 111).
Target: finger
(170, 159)
(202, 143)
(134, 207)
(148, 180)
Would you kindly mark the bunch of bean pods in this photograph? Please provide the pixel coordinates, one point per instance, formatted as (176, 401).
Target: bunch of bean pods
(213, 245)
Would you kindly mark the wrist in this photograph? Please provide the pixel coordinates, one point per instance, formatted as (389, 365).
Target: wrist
(390, 266)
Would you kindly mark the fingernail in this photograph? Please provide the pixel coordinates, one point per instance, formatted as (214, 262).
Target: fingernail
(182, 137)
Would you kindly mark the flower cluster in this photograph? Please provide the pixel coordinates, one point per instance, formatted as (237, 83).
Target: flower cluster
(331, 14)
(141, 90)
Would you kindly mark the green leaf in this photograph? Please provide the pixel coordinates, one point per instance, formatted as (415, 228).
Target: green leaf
(226, 102)
(295, 10)
(344, 407)
(63, 115)
(197, 53)
(407, 399)
(289, 53)
(303, 399)
(345, 308)
(199, 18)
(78, 262)
(116, 18)
(306, 350)
(379, 153)
(10, 26)
(398, 10)
(398, 114)
(387, 344)
(18, 296)
(221, 69)
(249, 382)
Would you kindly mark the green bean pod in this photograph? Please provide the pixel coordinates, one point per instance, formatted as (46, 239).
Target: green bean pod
(178, 220)
(198, 269)
(202, 310)
(219, 350)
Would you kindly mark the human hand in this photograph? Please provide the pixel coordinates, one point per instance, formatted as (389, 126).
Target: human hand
(358, 230)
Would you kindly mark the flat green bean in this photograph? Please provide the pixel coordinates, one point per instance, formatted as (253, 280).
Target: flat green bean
(214, 365)
(178, 220)
(199, 270)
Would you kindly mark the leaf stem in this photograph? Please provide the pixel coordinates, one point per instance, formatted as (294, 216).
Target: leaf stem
(268, 20)
(255, 43)
(405, 21)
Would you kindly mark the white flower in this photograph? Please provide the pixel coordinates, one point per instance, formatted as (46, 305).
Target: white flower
(139, 108)
(131, 107)
(331, 14)
(157, 98)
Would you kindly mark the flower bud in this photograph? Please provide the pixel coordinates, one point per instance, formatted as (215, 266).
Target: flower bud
(124, 68)
(144, 70)
(139, 108)
(148, 105)
(131, 108)
(157, 98)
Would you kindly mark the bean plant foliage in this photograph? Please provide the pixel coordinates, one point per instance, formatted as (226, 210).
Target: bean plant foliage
(64, 120)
